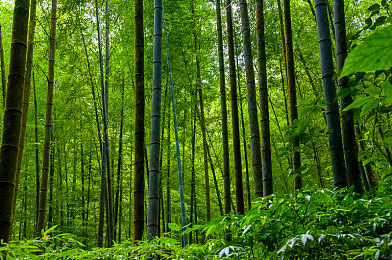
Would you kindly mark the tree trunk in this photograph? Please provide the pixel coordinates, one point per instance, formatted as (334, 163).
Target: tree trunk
(138, 179)
(179, 170)
(252, 104)
(168, 194)
(348, 131)
(3, 80)
(37, 181)
(13, 116)
(119, 163)
(193, 178)
(48, 123)
(234, 121)
(155, 141)
(202, 117)
(222, 87)
(243, 130)
(26, 92)
(263, 95)
(215, 182)
(292, 90)
(332, 112)
(105, 97)
(51, 176)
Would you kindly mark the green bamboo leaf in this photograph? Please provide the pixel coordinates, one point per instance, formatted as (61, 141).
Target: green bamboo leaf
(375, 53)
(358, 103)
(174, 226)
(370, 106)
(373, 91)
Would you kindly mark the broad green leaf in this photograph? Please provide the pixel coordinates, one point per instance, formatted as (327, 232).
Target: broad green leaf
(174, 226)
(358, 103)
(375, 53)
(369, 106)
(373, 91)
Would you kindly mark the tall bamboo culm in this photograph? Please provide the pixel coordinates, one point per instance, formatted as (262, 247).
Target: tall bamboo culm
(13, 116)
(252, 103)
(26, 91)
(138, 179)
(155, 141)
(292, 92)
(350, 145)
(48, 123)
(332, 112)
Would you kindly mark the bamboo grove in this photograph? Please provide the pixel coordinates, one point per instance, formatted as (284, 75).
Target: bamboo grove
(123, 117)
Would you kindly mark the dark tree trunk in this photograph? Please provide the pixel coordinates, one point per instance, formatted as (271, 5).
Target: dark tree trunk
(222, 87)
(234, 120)
(292, 90)
(332, 112)
(138, 179)
(26, 92)
(263, 95)
(202, 117)
(155, 141)
(179, 169)
(37, 181)
(48, 123)
(3, 79)
(252, 104)
(13, 116)
(119, 164)
(350, 145)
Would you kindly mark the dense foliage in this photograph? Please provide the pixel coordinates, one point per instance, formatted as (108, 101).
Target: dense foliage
(312, 224)
(317, 222)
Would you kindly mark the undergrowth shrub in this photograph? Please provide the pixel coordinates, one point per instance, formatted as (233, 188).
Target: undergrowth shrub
(311, 224)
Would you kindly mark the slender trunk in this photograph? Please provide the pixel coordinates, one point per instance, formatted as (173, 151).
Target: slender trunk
(105, 97)
(103, 170)
(13, 116)
(263, 95)
(120, 212)
(26, 92)
(243, 133)
(252, 104)
(37, 181)
(318, 165)
(235, 119)
(3, 80)
(101, 212)
(168, 194)
(215, 182)
(83, 190)
(179, 170)
(92, 90)
(162, 207)
(119, 163)
(292, 90)
(202, 117)
(332, 112)
(138, 180)
(88, 201)
(283, 39)
(368, 167)
(155, 141)
(51, 175)
(347, 117)
(48, 123)
(222, 87)
(193, 177)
